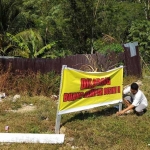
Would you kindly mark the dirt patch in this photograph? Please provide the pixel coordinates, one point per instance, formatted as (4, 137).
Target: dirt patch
(25, 109)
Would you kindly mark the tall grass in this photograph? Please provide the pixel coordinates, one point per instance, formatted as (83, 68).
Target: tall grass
(29, 83)
(94, 129)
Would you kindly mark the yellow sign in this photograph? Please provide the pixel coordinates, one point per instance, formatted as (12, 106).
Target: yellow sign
(83, 90)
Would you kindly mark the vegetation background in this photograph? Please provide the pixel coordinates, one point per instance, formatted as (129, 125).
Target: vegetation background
(51, 29)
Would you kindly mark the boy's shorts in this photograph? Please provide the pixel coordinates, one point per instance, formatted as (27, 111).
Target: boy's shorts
(128, 98)
(139, 108)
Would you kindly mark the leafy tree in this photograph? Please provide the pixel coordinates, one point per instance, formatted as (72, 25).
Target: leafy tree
(48, 17)
(11, 20)
(140, 32)
(116, 18)
(10, 17)
(82, 23)
(77, 25)
(29, 44)
(146, 8)
(74, 26)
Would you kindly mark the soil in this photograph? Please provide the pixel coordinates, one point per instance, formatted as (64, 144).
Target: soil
(24, 109)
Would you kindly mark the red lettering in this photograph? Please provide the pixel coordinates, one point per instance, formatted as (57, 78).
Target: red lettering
(118, 89)
(93, 92)
(65, 97)
(111, 90)
(96, 82)
(108, 81)
(86, 83)
(104, 81)
(90, 93)
(105, 91)
(114, 91)
(99, 92)
(91, 83)
(72, 96)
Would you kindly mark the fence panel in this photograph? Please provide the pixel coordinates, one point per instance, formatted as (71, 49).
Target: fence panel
(85, 62)
(132, 63)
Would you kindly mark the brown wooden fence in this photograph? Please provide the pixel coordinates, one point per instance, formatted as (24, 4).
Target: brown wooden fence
(85, 62)
(132, 63)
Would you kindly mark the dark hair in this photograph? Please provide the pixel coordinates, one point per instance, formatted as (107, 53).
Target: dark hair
(134, 86)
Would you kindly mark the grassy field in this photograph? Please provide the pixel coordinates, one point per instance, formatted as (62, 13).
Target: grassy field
(95, 129)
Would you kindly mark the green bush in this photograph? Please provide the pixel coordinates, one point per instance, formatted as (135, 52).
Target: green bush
(102, 47)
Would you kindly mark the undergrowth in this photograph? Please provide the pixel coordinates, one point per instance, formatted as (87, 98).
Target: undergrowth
(28, 82)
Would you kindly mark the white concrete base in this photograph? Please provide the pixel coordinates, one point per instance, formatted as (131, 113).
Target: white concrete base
(32, 138)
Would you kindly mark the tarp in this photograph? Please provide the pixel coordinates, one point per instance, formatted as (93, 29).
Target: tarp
(84, 90)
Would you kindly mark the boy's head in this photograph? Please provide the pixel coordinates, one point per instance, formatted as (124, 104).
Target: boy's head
(134, 88)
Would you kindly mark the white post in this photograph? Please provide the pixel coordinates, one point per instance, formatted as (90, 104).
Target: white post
(57, 126)
(120, 106)
(58, 117)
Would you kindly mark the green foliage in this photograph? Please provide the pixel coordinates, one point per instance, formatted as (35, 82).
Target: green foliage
(28, 44)
(140, 32)
(102, 47)
(65, 27)
(116, 17)
(11, 20)
(47, 17)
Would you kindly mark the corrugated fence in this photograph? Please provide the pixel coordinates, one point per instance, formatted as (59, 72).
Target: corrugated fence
(85, 62)
(132, 64)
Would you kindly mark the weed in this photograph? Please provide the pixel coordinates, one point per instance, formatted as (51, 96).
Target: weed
(29, 83)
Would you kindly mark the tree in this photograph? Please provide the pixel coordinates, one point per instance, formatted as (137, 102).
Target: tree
(140, 32)
(29, 44)
(77, 26)
(117, 18)
(11, 20)
(48, 17)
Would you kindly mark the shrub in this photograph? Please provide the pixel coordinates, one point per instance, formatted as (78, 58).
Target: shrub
(29, 83)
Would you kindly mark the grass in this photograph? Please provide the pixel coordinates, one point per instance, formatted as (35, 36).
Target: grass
(94, 129)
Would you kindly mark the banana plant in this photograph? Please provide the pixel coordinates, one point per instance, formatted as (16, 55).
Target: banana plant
(29, 44)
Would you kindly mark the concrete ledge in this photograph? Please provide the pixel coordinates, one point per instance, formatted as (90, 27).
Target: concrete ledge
(32, 138)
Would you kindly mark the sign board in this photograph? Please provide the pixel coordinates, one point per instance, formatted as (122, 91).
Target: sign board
(81, 90)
